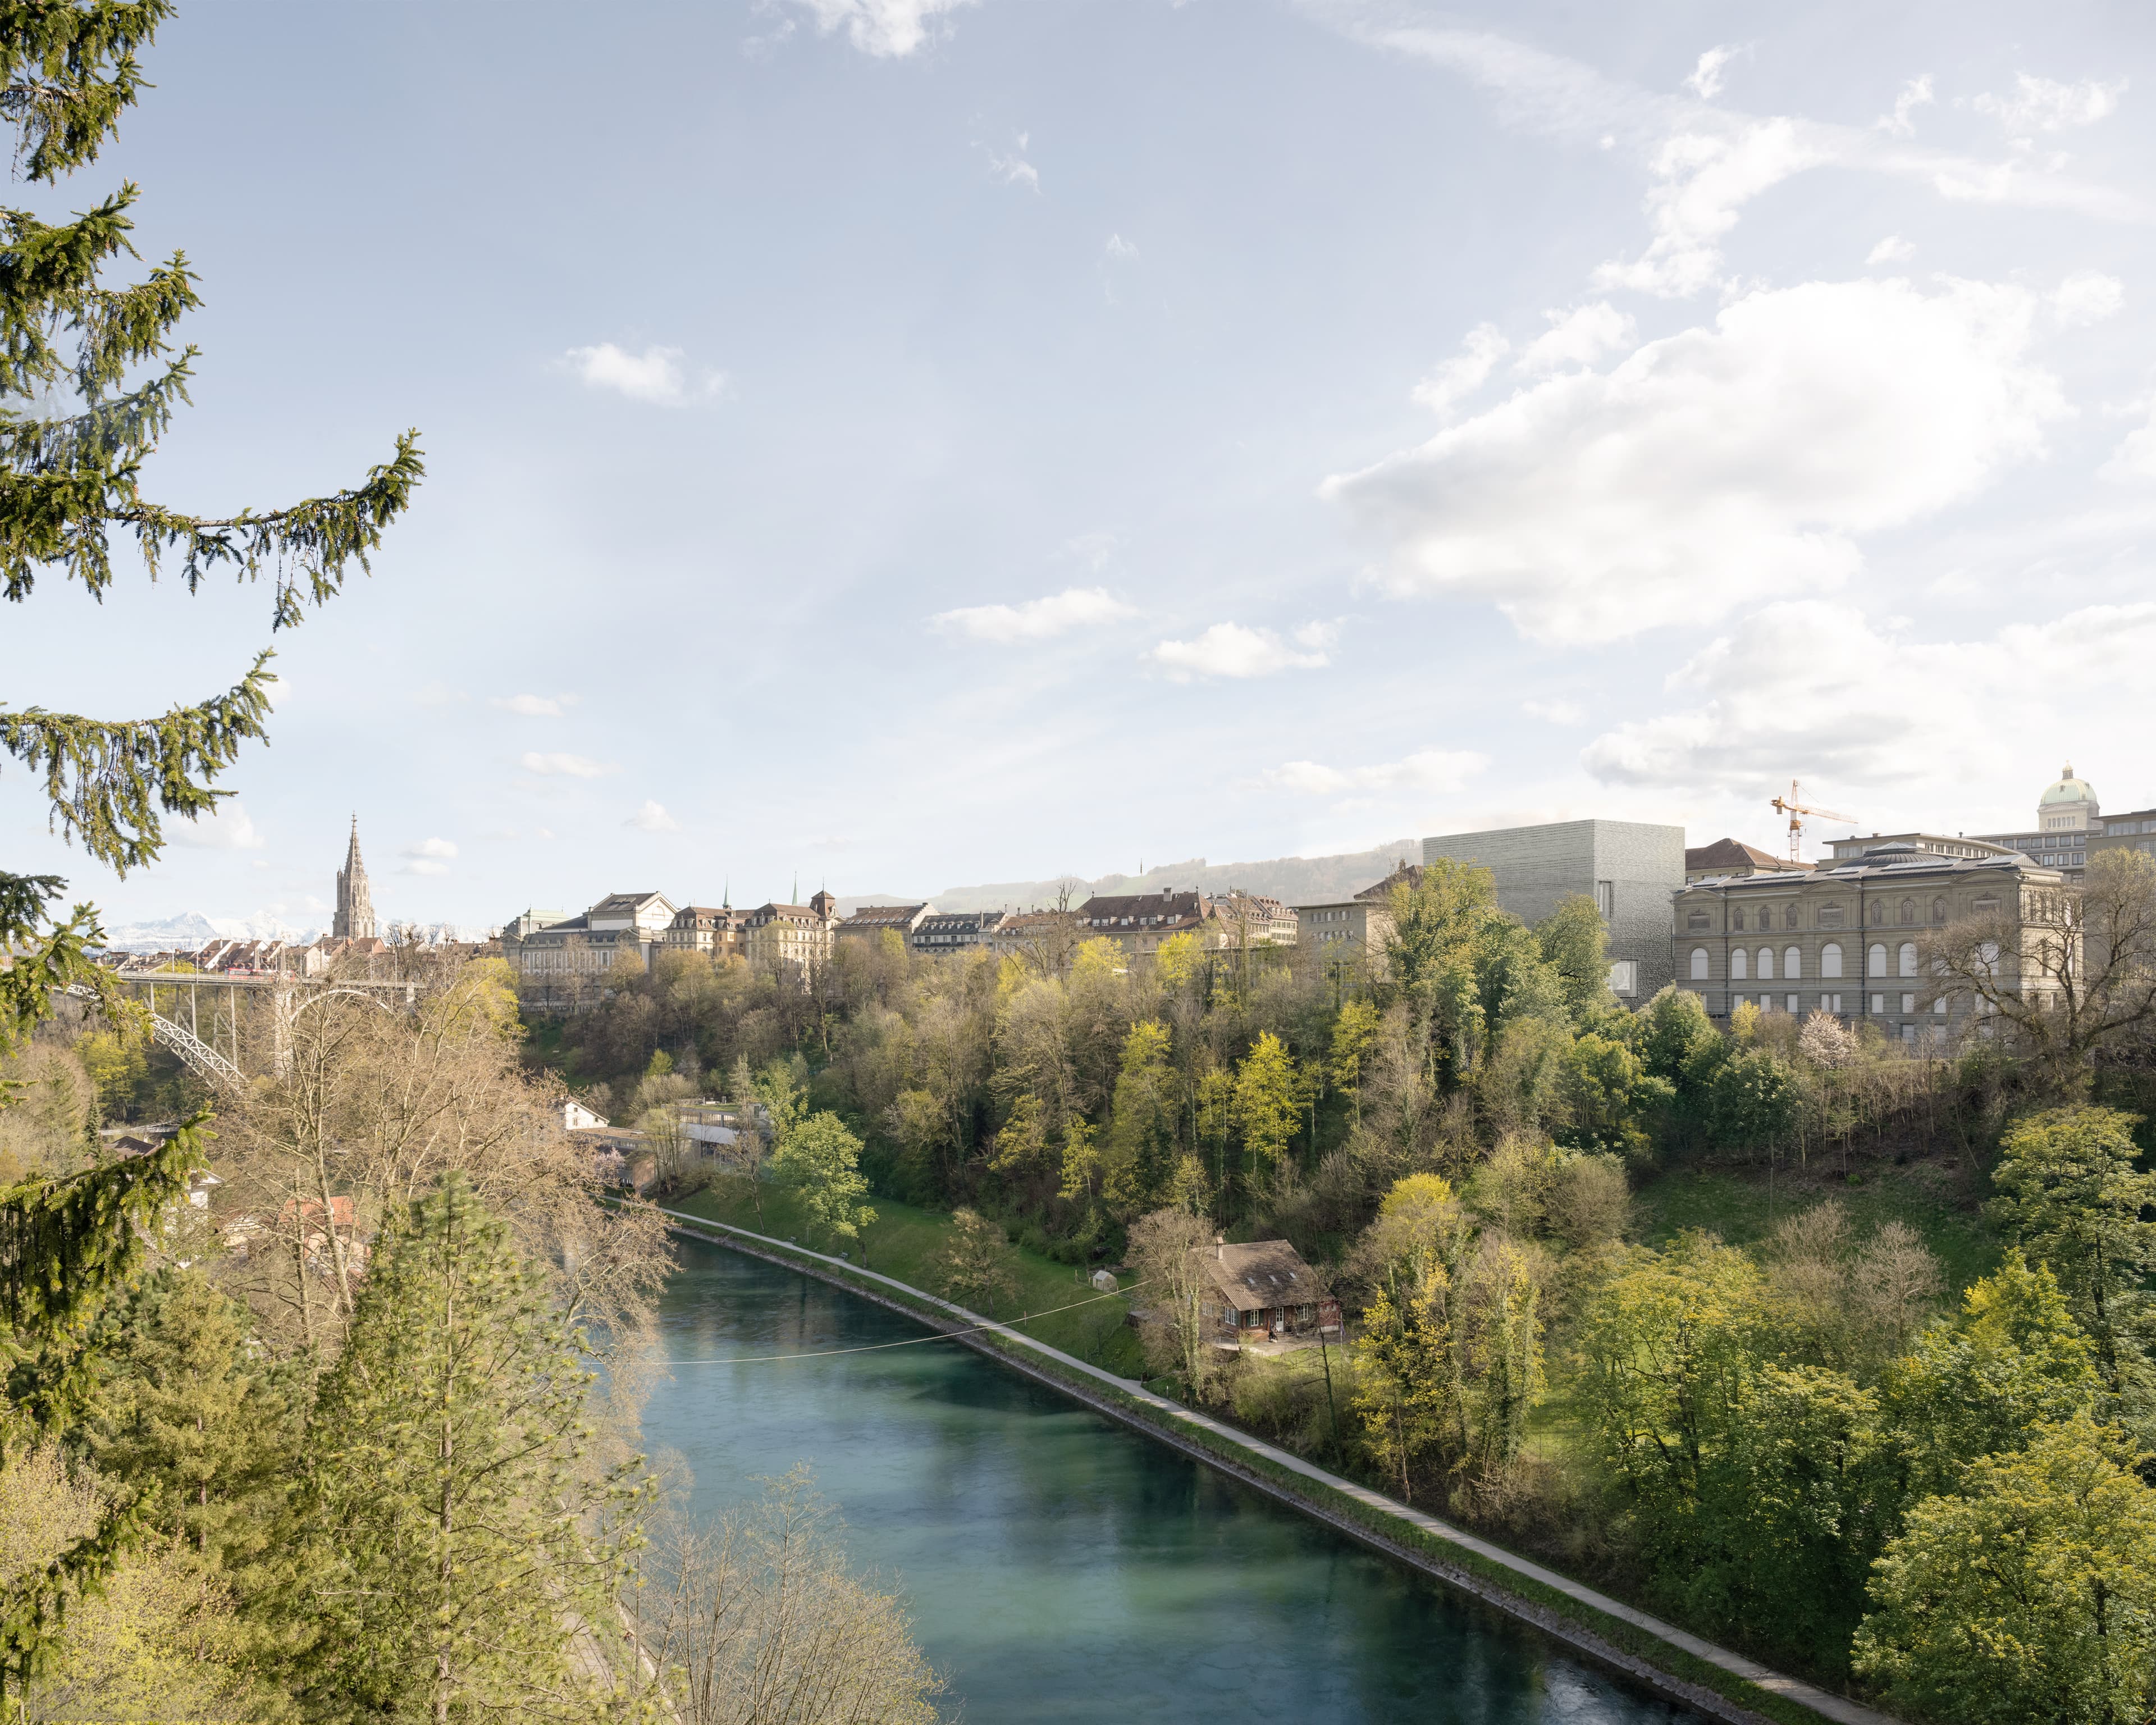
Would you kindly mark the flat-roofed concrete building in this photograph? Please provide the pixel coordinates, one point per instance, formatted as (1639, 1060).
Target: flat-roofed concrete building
(1628, 868)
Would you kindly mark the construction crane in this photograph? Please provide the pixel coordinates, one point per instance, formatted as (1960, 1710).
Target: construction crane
(1796, 808)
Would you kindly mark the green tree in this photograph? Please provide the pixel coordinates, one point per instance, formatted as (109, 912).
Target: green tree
(1611, 1101)
(1268, 1103)
(1752, 1100)
(820, 1162)
(2031, 1594)
(73, 476)
(452, 1528)
(2071, 1196)
(2012, 1362)
(1141, 1148)
(976, 1266)
(1505, 1358)
(1407, 1379)
(1353, 1031)
(1677, 1039)
(195, 1417)
(1575, 943)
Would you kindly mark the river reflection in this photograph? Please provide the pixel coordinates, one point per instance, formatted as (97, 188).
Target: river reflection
(1062, 1570)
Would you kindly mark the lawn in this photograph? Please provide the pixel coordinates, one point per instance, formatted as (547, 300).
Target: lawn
(903, 1243)
(1939, 1199)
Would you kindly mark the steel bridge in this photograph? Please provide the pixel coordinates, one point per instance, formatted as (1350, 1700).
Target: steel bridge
(176, 995)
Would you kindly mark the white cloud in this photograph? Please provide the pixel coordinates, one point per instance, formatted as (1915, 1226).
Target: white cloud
(1817, 690)
(1703, 178)
(1011, 168)
(1036, 620)
(1430, 770)
(1585, 336)
(2135, 458)
(1465, 372)
(1228, 649)
(425, 865)
(2086, 297)
(1718, 464)
(2040, 105)
(1119, 247)
(657, 375)
(1555, 713)
(1706, 80)
(229, 828)
(440, 848)
(1893, 249)
(652, 817)
(890, 29)
(535, 706)
(1915, 93)
(562, 766)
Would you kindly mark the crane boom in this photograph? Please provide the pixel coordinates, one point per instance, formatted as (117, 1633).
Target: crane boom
(1796, 808)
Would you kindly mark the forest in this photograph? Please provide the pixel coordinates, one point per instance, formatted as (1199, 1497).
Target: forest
(1771, 1327)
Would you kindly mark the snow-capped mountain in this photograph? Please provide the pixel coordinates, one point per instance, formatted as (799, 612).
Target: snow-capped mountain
(191, 928)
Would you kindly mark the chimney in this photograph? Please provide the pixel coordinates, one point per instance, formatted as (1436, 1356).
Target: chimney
(1219, 1248)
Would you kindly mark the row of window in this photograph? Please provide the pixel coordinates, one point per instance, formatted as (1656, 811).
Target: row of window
(1699, 918)
(1832, 1004)
(1742, 963)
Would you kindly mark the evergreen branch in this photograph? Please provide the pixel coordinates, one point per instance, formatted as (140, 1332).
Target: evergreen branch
(106, 440)
(49, 278)
(42, 965)
(311, 542)
(55, 87)
(107, 782)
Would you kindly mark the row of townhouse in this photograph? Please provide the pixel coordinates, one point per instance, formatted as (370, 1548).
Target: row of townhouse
(552, 948)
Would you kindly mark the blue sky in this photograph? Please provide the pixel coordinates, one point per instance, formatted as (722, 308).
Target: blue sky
(894, 444)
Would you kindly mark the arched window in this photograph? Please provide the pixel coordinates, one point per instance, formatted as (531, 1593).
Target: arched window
(1878, 911)
(1987, 956)
(1766, 964)
(1736, 917)
(1908, 913)
(1788, 915)
(1737, 964)
(1938, 910)
(1793, 963)
(1831, 958)
(1908, 957)
(1699, 964)
(1876, 960)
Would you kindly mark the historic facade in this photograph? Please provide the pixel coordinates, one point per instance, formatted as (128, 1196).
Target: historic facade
(1843, 939)
(355, 904)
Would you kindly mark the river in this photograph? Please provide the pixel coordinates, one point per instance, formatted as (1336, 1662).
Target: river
(1063, 1570)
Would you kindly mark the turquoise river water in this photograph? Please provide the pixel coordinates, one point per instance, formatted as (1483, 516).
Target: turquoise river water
(1062, 1569)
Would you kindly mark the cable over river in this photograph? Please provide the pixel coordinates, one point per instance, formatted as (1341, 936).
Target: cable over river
(1063, 1570)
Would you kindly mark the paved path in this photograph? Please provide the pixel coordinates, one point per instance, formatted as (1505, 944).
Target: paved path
(1829, 1705)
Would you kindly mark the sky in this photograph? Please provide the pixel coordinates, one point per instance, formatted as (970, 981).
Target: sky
(889, 444)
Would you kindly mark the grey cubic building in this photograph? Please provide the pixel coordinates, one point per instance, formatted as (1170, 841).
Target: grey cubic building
(1632, 871)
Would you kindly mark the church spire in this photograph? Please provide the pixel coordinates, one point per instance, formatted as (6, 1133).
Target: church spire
(355, 904)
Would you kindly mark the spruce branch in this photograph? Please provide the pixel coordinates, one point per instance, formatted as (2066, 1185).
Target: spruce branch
(107, 782)
(56, 86)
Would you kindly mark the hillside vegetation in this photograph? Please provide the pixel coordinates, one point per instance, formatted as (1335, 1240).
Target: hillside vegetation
(1771, 1326)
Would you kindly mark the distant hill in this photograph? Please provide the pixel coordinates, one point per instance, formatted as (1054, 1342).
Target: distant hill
(1293, 880)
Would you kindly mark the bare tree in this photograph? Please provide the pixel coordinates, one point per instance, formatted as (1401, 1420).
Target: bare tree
(2070, 973)
(759, 1621)
(1167, 1249)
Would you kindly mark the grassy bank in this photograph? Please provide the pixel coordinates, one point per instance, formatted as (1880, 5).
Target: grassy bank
(904, 1242)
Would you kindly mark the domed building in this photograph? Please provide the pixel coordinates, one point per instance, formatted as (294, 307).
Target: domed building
(2068, 805)
(2070, 824)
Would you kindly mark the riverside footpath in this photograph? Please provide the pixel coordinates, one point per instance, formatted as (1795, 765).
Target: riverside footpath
(1683, 1667)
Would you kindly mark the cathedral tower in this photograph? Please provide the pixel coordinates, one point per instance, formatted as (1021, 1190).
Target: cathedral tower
(354, 905)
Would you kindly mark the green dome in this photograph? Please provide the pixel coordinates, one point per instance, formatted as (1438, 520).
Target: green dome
(2068, 789)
